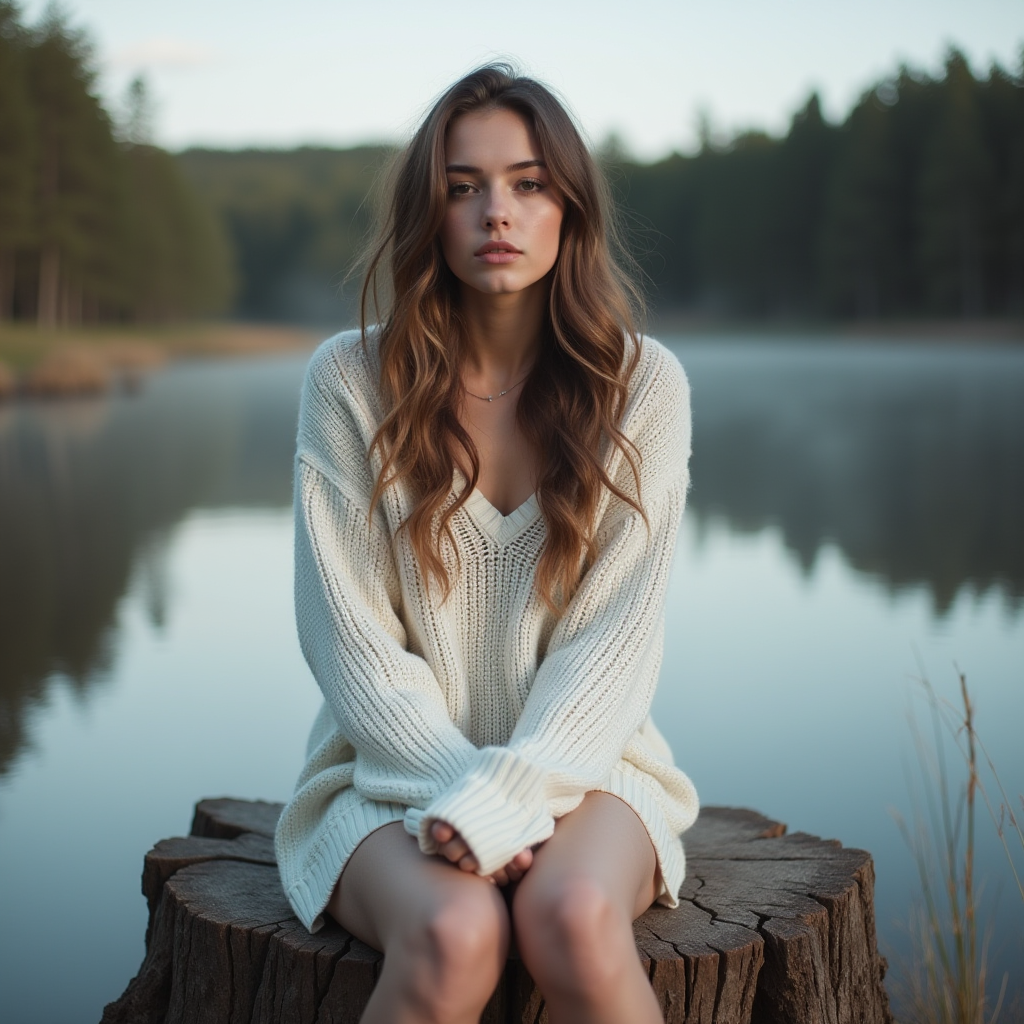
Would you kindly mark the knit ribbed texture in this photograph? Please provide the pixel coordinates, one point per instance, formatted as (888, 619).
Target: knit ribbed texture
(485, 711)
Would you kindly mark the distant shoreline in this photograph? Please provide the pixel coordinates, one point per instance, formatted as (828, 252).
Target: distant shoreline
(954, 331)
(38, 363)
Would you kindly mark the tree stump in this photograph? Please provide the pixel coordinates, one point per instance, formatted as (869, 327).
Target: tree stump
(772, 929)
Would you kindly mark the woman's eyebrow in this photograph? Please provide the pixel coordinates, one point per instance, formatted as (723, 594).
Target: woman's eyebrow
(468, 169)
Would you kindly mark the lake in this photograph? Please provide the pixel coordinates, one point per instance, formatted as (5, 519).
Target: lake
(856, 521)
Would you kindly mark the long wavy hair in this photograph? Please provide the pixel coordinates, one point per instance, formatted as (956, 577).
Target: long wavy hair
(570, 407)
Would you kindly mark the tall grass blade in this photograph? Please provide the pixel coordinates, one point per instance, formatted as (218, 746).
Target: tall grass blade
(947, 981)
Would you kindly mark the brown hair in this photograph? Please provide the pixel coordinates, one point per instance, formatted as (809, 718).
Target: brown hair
(573, 400)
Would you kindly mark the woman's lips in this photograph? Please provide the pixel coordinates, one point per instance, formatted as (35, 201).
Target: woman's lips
(505, 256)
(497, 252)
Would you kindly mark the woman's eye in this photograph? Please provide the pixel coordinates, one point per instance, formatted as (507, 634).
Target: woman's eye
(530, 185)
(460, 188)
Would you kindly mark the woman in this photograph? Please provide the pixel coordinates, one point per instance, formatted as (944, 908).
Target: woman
(488, 488)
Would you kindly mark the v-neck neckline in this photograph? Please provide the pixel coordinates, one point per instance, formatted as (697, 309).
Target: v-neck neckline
(499, 527)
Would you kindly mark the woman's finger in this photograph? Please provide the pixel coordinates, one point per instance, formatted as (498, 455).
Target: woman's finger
(523, 859)
(442, 831)
(455, 849)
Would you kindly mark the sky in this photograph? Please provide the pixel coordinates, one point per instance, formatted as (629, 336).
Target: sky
(228, 73)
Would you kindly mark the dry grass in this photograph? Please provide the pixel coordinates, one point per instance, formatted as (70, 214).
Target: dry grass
(86, 361)
(948, 981)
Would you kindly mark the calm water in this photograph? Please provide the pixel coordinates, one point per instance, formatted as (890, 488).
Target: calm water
(857, 516)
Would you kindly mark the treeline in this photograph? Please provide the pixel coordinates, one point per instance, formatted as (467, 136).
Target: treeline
(96, 223)
(913, 206)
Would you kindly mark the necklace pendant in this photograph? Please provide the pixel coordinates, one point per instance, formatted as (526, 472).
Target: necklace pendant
(490, 398)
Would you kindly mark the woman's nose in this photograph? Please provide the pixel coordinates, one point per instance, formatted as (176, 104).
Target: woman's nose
(496, 211)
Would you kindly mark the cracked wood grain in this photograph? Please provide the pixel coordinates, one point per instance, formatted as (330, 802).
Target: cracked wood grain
(771, 928)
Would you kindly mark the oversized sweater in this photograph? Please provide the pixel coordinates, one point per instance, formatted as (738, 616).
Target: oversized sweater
(484, 710)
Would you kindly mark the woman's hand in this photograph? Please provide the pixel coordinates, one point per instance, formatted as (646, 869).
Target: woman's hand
(453, 847)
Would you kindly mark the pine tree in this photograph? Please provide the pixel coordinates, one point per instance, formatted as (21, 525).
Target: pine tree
(135, 126)
(1001, 106)
(806, 162)
(17, 152)
(858, 243)
(956, 202)
(77, 173)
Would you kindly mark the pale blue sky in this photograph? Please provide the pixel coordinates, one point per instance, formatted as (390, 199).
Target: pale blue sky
(265, 72)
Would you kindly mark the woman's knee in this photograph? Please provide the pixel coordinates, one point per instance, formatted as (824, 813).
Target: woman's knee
(471, 929)
(453, 951)
(571, 934)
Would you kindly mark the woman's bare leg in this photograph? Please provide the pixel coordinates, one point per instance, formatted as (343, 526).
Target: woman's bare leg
(444, 933)
(573, 914)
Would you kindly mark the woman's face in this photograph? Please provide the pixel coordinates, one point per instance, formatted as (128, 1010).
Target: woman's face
(501, 228)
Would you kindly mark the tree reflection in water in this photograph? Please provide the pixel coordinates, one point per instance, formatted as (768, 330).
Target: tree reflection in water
(89, 490)
(910, 459)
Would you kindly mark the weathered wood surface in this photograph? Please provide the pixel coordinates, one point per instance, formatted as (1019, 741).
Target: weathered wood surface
(771, 929)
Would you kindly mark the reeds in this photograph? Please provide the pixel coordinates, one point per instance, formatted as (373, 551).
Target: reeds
(947, 981)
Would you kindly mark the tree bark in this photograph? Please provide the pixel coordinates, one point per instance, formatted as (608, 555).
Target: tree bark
(771, 929)
(49, 285)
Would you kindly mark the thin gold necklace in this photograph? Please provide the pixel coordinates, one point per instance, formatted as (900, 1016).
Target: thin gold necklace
(500, 394)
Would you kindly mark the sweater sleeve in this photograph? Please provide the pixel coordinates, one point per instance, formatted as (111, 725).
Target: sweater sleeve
(594, 687)
(386, 700)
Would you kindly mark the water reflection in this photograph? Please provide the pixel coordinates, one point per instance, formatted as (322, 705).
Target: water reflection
(910, 459)
(89, 488)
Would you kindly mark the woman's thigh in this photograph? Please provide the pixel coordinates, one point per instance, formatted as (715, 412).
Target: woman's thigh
(389, 887)
(604, 844)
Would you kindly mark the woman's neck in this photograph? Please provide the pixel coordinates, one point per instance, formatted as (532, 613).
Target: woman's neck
(502, 336)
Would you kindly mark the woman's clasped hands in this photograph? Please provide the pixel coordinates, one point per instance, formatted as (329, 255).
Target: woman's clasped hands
(454, 848)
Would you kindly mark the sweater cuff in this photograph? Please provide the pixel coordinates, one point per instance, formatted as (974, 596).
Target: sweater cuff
(497, 806)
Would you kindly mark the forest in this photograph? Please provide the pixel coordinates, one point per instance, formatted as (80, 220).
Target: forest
(97, 225)
(911, 207)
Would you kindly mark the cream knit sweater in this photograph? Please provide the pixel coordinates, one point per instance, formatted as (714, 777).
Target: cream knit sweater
(485, 711)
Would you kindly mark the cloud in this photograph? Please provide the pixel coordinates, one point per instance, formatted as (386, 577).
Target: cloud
(164, 52)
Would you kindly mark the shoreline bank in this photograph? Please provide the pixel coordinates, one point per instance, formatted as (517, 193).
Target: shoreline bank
(37, 363)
